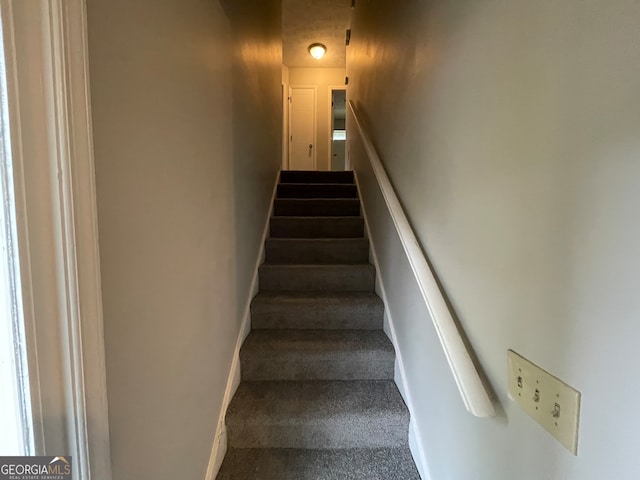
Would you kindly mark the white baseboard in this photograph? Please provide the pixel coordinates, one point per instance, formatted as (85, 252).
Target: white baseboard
(219, 448)
(415, 446)
(415, 439)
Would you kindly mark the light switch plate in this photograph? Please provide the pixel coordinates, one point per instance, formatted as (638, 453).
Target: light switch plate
(545, 398)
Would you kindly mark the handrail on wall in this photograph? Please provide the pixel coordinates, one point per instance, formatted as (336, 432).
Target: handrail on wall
(474, 394)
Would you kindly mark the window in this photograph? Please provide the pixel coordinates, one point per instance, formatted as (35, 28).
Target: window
(339, 135)
(16, 435)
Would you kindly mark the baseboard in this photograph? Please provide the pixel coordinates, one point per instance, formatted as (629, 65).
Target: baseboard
(415, 439)
(219, 448)
(417, 451)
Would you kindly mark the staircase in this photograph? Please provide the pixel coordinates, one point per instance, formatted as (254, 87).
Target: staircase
(317, 399)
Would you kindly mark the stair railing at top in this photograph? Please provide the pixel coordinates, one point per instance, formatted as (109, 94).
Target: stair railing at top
(474, 394)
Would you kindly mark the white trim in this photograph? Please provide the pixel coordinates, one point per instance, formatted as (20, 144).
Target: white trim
(6, 9)
(415, 439)
(474, 395)
(219, 448)
(85, 259)
(285, 125)
(47, 72)
(416, 448)
(315, 122)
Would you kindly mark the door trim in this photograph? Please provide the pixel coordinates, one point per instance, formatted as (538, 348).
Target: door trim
(286, 95)
(56, 215)
(315, 123)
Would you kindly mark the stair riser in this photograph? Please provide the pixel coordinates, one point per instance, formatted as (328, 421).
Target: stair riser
(356, 431)
(293, 176)
(309, 316)
(299, 366)
(286, 190)
(310, 227)
(348, 279)
(340, 252)
(322, 208)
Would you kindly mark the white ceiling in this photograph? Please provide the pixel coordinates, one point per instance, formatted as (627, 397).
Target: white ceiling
(308, 21)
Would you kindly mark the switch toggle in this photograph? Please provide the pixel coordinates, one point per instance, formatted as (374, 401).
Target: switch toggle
(544, 397)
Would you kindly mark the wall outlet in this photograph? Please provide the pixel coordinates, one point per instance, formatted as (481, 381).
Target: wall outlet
(545, 398)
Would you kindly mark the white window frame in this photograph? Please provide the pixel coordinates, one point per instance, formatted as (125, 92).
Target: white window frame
(51, 142)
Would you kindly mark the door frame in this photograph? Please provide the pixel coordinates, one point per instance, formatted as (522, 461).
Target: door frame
(314, 119)
(57, 229)
(330, 146)
(286, 102)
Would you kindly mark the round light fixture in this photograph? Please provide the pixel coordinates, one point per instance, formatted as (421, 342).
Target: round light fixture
(317, 50)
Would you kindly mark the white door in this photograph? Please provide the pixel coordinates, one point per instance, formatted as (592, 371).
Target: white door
(337, 155)
(302, 148)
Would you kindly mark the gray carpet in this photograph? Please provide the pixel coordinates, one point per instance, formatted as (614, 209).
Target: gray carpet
(317, 399)
(317, 355)
(316, 227)
(317, 310)
(325, 464)
(316, 251)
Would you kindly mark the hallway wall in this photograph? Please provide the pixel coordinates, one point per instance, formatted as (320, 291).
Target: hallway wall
(510, 132)
(183, 194)
(322, 78)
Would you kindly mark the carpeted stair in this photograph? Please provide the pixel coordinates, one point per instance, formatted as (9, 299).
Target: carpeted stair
(317, 399)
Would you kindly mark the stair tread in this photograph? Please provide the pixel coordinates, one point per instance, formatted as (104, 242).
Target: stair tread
(320, 199)
(316, 184)
(313, 217)
(317, 355)
(313, 266)
(317, 297)
(317, 190)
(300, 402)
(315, 342)
(323, 240)
(283, 226)
(317, 414)
(317, 310)
(318, 464)
(347, 207)
(302, 176)
(327, 251)
(356, 277)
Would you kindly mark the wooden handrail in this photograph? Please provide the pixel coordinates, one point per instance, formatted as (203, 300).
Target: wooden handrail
(473, 392)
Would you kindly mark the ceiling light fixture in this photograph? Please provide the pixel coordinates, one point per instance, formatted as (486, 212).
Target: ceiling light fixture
(317, 50)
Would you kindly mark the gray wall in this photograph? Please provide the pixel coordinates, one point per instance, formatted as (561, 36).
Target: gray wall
(510, 131)
(257, 123)
(182, 199)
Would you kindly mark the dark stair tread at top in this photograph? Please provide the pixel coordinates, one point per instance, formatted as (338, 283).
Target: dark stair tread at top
(312, 251)
(317, 414)
(317, 355)
(332, 207)
(303, 176)
(306, 464)
(316, 227)
(348, 278)
(316, 310)
(317, 190)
